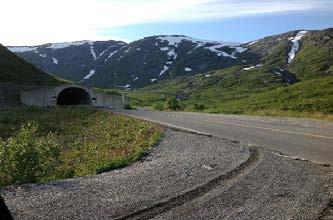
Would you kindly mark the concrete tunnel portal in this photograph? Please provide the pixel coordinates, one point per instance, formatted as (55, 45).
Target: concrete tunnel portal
(73, 96)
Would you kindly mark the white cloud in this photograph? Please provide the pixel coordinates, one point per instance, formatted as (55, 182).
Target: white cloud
(41, 21)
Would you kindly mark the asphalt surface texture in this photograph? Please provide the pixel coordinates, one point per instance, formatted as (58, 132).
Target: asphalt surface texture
(186, 176)
(303, 138)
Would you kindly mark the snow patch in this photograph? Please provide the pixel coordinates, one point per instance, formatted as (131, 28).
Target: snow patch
(295, 45)
(120, 58)
(188, 69)
(152, 80)
(253, 42)
(92, 51)
(172, 53)
(55, 61)
(175, 40)
(210, 45)
(22, 49)
(138, 49)
(164, 48)
(251, 67)
(43, 55)
(91, 73)
(165, 68)
(125, 86)
(68, 44)
(169, 62)
(215, 48)
(101, 54)
(110, 55)
(277, 73)
(136, 78)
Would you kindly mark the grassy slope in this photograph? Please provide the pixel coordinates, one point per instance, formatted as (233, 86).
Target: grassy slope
(258, 91)
(16, 70)
(90, 141)
(315, 59)
(249, 92)
(220, 86)
(311, 96)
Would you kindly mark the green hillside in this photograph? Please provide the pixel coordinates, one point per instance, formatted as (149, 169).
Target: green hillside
(235, 91)
(302, 87)
(315, 59)
(16, 70)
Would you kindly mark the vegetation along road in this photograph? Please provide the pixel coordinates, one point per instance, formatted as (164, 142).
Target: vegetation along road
(303, 138)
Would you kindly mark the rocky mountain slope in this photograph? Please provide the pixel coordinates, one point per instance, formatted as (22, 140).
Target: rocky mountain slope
(294, 76)
(14, 69)
(114, 64)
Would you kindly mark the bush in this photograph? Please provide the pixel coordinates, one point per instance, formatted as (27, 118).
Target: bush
(199, 107)
(182, 106)
(159, 106)
(128, 106)
(27, 158)
(172, 103)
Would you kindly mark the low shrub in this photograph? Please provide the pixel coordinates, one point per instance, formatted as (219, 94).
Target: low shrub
(26, 157)
(158, 106)
(172, 103)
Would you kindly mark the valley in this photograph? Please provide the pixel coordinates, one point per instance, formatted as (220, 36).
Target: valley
(164, 155)
(277, 75)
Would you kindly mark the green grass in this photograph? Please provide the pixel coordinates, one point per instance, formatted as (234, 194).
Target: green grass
(311, 98)
(62, 143)
(315, 59)
(15, 70)
(233, 91)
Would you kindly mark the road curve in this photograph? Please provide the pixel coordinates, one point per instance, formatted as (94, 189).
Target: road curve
(303, 138)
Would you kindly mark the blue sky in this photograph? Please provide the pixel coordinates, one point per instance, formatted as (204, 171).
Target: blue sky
(44, 21)
(238, 29)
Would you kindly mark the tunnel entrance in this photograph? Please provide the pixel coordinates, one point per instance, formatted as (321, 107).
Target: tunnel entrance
(73, 96)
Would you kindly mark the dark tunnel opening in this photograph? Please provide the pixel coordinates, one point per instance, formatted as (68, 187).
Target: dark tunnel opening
(73, 96)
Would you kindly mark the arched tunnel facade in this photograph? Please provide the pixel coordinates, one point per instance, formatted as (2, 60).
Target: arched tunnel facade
(73, 96)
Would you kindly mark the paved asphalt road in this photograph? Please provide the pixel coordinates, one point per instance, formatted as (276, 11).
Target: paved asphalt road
(303, 138)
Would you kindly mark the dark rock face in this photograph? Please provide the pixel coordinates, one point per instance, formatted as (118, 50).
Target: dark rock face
(115, 64)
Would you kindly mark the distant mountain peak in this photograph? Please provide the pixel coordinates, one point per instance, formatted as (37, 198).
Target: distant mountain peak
(114, 64)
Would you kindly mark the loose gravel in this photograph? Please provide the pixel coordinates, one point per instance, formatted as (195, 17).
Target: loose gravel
(186, 176)
(181, 162)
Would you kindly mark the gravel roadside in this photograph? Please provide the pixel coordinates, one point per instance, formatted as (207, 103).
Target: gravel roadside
(277, 187)
(179, 163)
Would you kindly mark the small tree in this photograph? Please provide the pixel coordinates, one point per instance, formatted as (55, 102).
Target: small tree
(199, 107)
(159, 106)
(172, 103)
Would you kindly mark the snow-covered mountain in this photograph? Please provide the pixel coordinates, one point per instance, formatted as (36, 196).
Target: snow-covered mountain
(116, 64)
(68, 60)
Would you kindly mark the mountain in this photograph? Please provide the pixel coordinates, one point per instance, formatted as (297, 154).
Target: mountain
(14, 69)
(113, 64)
(291, 56)
(290, 72)
(293, 76)
(71, 60)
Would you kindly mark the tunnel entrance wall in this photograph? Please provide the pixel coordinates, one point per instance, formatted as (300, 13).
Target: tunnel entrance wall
(74, 96)
(48, 96)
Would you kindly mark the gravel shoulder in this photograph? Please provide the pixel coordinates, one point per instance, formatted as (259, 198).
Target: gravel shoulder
(224, 181)
(277, 187)
(180, 162)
